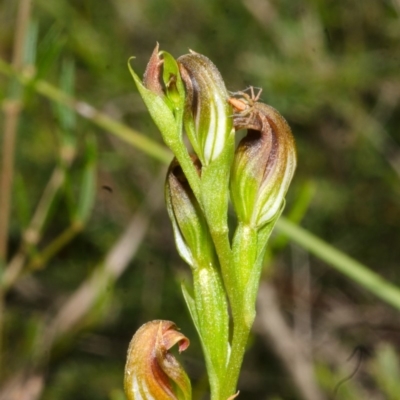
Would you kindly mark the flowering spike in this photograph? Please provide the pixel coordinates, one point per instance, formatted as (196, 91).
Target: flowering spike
(151, 372)
(264, 162)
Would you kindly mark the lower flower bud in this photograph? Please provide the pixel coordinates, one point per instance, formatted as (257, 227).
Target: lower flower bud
(191, 232)
(151, 371)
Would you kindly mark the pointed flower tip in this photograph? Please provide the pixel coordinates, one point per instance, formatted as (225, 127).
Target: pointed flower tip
(151, 371)
(151, 77)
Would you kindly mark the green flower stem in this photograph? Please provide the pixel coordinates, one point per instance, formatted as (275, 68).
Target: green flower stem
(343, 263)
(241, 333)
(223, 249)
(244, 257)
(244, 263)
(213, 321)
(215, 198)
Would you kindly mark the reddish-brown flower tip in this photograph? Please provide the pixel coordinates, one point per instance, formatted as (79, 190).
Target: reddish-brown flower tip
(151, 371)
(152, 75)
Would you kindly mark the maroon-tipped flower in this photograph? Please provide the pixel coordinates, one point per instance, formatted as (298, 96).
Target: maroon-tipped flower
(208, 115)
(264, 162)
(151, 371)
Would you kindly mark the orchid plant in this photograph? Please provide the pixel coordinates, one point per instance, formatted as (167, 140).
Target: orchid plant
(187, 96)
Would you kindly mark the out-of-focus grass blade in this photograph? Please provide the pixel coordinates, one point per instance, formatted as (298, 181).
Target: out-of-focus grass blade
(386, 369)
(87, 190)
(295, 215)
(117, 394)
(30, 54)
(343, 263)
(297, 212)
(49, 49)
(22, 201)
(31, 39)
(67, 133)
(66, 116)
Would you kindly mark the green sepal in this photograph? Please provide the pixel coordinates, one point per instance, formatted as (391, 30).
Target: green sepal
(181, 245)
(190, 227)
(159, 110)
(173, 82)
(246, 175)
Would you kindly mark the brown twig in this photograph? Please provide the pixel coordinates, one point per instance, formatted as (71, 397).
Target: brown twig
(272, 326)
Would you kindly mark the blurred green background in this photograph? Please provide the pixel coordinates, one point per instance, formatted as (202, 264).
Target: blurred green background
(90, 254)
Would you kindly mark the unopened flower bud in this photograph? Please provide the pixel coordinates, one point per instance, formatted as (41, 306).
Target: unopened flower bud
(162, 78)
(190, 227)
(151, 371)
(163, 93)
(207, 117)
(264, 162)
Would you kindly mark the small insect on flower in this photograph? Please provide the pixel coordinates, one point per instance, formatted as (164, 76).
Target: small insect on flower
(247, 101)
(264, 162)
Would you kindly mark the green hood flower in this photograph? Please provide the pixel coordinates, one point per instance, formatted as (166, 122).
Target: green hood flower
(207, 117)
(264, 162)
(190, 227)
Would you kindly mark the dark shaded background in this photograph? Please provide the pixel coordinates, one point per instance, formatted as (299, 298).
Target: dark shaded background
(330, 67)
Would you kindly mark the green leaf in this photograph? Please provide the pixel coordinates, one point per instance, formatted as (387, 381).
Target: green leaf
(159, 111)
(49, 49)
(343, 263)
(88, 186)
(66, 116)
(191, 305)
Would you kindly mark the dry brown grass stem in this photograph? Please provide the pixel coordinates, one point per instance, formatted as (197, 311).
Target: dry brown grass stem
(11, 109)
(271, 324)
